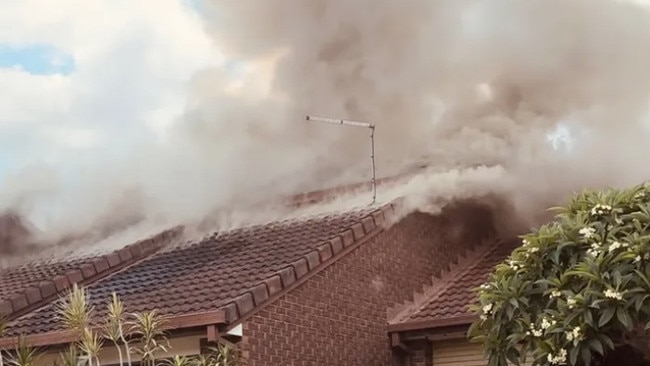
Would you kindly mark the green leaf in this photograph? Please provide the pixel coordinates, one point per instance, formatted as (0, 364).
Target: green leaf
(606, 340)
(583, 274)
(555, 257)
(643, 277)
(639, 301)
(586, 355)
(589, 319)
(606, 316)
(573, 355)
(597, 346)
(513, 356)
(616, 275)
(624, 318)
(493, 360)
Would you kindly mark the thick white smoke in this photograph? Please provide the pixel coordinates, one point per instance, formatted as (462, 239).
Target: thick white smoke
(453, 83)
(471, 88)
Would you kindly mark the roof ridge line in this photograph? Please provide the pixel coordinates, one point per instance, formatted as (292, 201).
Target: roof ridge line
(312, 197)
(465, 264)
(276, 285)
(88, 271)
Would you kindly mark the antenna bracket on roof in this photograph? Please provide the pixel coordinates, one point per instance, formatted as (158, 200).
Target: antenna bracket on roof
(371, 126)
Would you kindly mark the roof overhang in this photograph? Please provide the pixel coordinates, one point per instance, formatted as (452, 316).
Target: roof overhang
(173, 324)
(433, 324)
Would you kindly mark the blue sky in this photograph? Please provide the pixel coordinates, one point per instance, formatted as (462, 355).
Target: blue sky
(83, 84)
(38, 59)
(35, 59)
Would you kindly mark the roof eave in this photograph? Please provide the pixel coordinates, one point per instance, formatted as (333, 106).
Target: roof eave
(432, 323)
(174, 323)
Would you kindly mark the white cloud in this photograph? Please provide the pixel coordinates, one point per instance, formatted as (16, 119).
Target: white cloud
(132, 63)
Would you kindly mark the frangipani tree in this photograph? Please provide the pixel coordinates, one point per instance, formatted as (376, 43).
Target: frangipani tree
(576, 289)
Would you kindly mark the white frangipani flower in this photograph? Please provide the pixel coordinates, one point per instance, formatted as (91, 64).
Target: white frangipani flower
(601, 210)
(513, 264)
(615, 245)
(571, 302)
(611, 294)
(559, 358)
(487, 308)
(587, 232)
(546, 324)
(594, 251)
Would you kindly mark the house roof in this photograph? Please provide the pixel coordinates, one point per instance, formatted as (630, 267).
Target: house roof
(448, 303)
(29, 286)
(233, 272)
(14, 281)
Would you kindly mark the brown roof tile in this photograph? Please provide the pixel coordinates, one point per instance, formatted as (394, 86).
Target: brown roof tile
(452, 300)
(29, 286)
(14, 281)
(235, 270)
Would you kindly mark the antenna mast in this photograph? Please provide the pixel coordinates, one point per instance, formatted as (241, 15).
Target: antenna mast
(371, 126)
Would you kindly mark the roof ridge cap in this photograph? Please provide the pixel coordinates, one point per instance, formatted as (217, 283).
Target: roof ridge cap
(89, 270)
(465, 264)
(330, 251)
(218, 233)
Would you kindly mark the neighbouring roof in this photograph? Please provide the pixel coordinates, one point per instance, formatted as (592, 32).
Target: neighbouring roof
(28, 286)
(448, 304)
(233, 271)
(14, 281)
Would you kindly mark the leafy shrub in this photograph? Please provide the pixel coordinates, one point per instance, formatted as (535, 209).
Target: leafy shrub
(576, 288)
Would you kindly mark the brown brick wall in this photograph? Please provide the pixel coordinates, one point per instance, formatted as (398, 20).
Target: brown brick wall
(338, 317)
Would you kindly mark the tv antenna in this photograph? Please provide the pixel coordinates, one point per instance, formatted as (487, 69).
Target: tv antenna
(371, 126)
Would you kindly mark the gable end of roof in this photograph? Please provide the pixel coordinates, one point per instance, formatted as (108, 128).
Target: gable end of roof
(448, 305)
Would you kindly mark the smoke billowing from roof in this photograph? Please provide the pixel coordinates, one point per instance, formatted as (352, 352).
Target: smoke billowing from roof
(470, 88)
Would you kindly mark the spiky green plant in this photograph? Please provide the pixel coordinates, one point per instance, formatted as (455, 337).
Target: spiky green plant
(3, 327)
(149, 328)
(180, 361)
(114, 329)
(70, 357)
(90, 344)
(226, 355)
(23, 355)
(74, 309)
(203, 360)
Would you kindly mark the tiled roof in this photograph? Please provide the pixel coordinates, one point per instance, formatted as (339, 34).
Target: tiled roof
(14, 281)
(451, 300)
(235, 270)
(31, 285)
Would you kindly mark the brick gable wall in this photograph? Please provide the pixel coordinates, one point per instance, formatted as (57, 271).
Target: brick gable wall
(338, 317)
